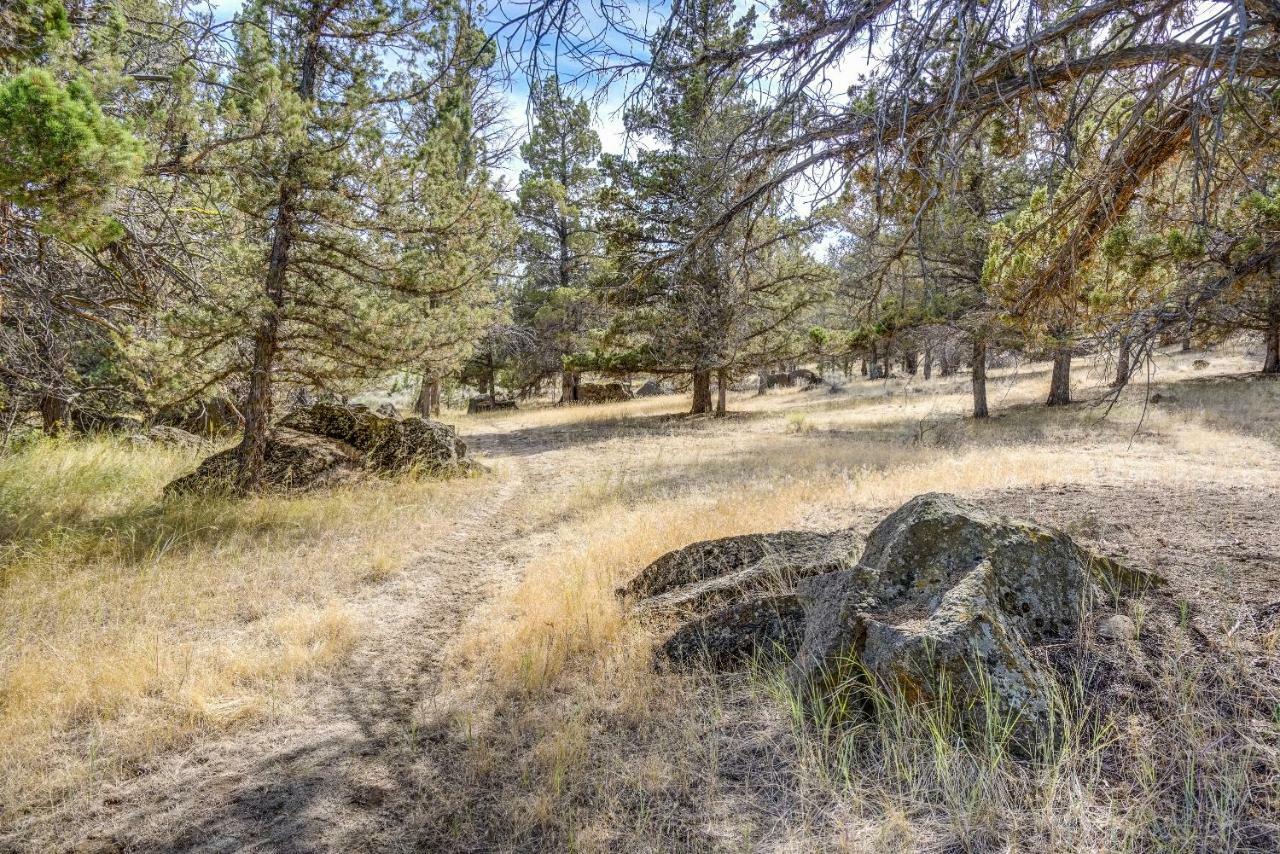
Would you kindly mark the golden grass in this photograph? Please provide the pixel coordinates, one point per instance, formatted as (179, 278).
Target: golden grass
(131, 624)
(560, 651)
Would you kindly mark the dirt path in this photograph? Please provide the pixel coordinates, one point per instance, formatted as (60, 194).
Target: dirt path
(321, 780)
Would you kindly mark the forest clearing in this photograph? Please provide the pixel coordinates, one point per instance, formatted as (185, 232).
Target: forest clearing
(446, 666)
(670, 425)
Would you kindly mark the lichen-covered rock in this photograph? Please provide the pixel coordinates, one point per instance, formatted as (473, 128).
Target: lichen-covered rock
(295, 462)
(654, 388)
(779, 381)
(602, 393)
(947, 604)
(782, 552)
(950, 604)
(477, 405)
(387, 410)
(712, 579)
(805, 378)
(772, 625)
(159, 434)
(386, 445)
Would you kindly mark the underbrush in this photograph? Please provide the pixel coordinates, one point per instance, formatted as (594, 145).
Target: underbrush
(130, 623)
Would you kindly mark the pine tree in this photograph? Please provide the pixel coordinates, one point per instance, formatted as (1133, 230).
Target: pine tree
(366, 240)
(559, 245)
(84, 243)
(698, 301)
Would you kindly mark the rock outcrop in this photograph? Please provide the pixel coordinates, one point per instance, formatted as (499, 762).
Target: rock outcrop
(602, 393)
(295, 462)
(716, 572)
(778, 381)
(806, 378)
(770, 625)
(478, 405)
(328, 444)
(654, 388)
(159, 434)
(947, 603)
(386, 445)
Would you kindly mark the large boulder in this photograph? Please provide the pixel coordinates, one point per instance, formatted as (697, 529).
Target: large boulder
(386, 445)
(159, 434)
(654, 388)
(602, 393)
(716, 572)
(806, 378)
(765, 626)
(947, 603)
(778, 381)
(295, 462)
(478, 405)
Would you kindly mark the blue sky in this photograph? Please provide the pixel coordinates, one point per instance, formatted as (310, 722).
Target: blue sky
(607, 106)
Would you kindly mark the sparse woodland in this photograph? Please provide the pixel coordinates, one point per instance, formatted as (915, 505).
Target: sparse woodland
(684, 426)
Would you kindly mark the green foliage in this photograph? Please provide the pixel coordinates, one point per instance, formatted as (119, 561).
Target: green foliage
(29, 29)
(63, 156)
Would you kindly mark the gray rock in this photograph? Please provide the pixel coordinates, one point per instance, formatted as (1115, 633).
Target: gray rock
(217, 416)
(386, 445)
(602, 393)
(1116, 627)
(805, 378)
(772, 625)
(779, 381)
(782, 553)
(175, 436)
(387, 410)
(654, 388)
(295, 462)
(947, 604)
(483, 404)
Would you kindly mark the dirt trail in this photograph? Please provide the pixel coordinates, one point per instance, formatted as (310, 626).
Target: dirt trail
(321, 780)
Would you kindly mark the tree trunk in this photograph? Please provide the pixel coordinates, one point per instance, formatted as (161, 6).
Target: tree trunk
(1060, 385)
(701, 392)
(1186, 343)
(569, 386)
(1271, 361)
(55, 412)
(762, 382)
(928, 363)
(722, 389)
(946, 360)
(979, 377)
(910, 362)
(252, 451)
(428, 402)
(1122, 365)
(864, 366)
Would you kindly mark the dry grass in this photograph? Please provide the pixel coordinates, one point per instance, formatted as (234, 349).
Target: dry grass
(588, 747)
(131, 624)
